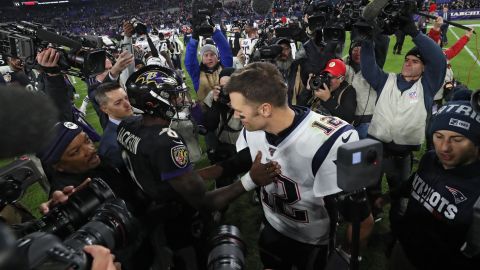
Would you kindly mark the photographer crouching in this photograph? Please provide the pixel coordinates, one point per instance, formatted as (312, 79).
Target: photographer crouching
(220, 121)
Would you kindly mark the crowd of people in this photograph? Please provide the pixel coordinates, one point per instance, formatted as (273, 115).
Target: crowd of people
(273, 111)
(463, 4)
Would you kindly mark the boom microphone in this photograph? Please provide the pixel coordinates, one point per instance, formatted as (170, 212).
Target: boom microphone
(26, 120)
(373, 9)
(262, 7)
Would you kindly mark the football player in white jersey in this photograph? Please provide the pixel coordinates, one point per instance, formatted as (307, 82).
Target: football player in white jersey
(300, 210)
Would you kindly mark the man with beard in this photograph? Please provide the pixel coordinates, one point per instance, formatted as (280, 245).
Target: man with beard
(290, 70)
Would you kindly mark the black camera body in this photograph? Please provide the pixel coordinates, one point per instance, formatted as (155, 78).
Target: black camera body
(389, 20)
(267, 53)
(65, 218)
(202, 13)
(23, 40)
(223, 97)
(111, 226)
(139, 27)
(317, 81)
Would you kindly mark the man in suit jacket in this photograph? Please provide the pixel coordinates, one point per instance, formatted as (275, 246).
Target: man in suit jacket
(444, 28)
(113, 101)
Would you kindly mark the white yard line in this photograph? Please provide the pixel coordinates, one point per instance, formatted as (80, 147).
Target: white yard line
(466, 47)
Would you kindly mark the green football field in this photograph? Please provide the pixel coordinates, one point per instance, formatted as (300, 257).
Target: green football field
(247, 216)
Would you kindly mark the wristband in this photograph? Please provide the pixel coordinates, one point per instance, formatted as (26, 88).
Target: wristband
(247, 182)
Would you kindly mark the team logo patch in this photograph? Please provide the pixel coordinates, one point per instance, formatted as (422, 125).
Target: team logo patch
(459, 123)
(70, 125)
(332, 64)
(179, 155)
(457, 195)
(272, 150)
(7, 78)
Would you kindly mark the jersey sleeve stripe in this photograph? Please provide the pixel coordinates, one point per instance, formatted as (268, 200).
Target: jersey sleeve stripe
(323, 151)
(175, 173)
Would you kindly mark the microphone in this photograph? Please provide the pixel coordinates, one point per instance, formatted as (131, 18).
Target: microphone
(262, 7)
(26, 120)
(57, 39)
(371, 11)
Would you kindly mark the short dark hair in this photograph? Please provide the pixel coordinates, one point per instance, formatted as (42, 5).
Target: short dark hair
(103, 89)
(259, 82)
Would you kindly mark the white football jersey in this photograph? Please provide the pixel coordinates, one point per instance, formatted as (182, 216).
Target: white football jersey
(247, 47)
(293, 204)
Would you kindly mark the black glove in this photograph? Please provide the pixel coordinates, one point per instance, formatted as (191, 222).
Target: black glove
(363, 29)
(407, 25)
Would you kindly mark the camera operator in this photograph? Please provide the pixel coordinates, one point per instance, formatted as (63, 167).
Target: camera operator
(158, 160)
(219, 120)
(441, 195)
(70, 158)
(335, 96)
(404, 101)
(113, 101)
(290, 70)
(214, 57)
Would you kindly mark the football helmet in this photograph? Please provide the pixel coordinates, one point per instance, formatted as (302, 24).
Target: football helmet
(157, 91)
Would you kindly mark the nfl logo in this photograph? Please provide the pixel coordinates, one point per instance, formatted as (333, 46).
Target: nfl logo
(412, 95)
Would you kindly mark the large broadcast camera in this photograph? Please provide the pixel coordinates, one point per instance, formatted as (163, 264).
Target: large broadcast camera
(110, 227)
(202, 13)
(91, 216)
(64, 219)
(24, 40)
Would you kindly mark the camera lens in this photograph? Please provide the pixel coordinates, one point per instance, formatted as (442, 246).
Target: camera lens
(66, 218)
(227, 249)
(111, 226)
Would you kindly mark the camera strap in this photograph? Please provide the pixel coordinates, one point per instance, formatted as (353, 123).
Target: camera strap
(51, 70)
(222, 128)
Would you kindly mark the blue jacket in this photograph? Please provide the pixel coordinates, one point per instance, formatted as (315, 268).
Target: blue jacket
(191, 61)
(108, 147)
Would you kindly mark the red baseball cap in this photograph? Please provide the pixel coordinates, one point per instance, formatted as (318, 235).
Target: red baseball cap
(336, 67)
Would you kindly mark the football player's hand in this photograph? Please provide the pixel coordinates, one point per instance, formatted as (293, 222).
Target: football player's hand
(264, 174)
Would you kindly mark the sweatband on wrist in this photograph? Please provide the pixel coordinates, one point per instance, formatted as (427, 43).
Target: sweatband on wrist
(247, 182)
